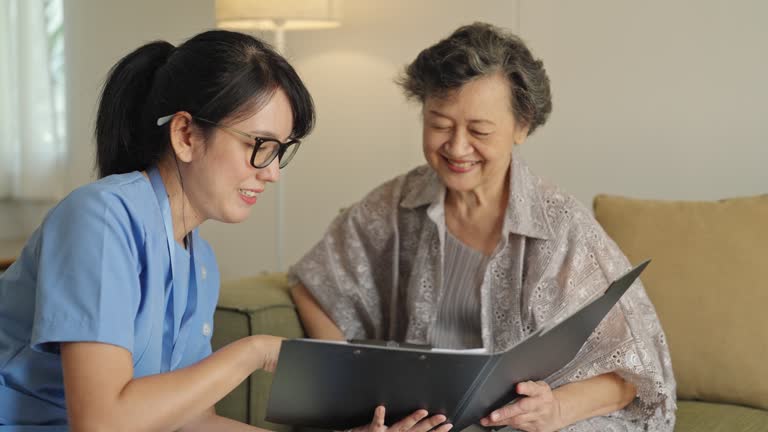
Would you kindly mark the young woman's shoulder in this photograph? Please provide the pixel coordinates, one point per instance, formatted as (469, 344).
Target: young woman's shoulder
(116, 186)
(125, 200)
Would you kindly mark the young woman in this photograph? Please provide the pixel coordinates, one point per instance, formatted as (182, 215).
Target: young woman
(106, 318)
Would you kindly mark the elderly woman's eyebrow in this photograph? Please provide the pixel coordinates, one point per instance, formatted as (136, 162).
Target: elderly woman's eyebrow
(437, 113)
(482, 121)
(475, 120)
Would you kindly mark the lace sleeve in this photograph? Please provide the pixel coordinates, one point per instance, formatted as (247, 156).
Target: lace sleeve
(629, 341)
(348, 270)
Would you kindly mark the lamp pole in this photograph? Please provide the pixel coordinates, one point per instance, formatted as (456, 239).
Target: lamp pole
(277, 16)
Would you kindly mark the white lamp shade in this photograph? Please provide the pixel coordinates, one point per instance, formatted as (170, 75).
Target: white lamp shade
(271, 14)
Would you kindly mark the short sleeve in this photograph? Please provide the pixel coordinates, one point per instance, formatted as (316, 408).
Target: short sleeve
(88, 285)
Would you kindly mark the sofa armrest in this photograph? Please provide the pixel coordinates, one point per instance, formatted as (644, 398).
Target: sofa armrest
(256, 305)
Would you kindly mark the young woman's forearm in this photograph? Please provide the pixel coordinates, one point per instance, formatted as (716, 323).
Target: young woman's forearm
(179, 394)
(597, 396)
(164, 401)
(212, 422)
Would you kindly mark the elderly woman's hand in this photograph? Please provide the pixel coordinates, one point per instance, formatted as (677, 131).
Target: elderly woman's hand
(537, 411)
(416, 422)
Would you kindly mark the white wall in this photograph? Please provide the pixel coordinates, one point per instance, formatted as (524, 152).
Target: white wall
(653, 99)
(649, 101)
(97, 35)
(366, 132)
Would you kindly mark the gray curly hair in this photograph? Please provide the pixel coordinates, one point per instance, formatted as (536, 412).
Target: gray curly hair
(478, 50)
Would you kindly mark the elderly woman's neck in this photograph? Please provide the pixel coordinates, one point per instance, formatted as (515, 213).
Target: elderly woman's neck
(476, 217)
(485, 200)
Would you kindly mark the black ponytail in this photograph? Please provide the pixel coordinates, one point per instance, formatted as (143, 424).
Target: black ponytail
(215, 75)
(122, 143)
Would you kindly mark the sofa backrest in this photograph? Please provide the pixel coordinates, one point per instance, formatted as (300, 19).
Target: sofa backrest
(709, 284)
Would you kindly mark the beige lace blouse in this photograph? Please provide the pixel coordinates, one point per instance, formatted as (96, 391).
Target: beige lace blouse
(377, 273)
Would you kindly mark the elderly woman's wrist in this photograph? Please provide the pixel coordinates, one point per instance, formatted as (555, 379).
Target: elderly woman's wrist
(565, 414)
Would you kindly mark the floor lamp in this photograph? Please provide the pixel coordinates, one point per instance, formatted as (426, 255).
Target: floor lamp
(278, 16)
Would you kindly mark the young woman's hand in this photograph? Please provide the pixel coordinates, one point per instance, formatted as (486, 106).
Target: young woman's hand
(267, 351)
(416, 422)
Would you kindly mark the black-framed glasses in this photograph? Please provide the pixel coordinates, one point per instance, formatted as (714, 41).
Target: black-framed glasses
(265, 150)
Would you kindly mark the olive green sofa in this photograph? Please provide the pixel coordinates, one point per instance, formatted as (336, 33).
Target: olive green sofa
(258, 305)
(708, 281)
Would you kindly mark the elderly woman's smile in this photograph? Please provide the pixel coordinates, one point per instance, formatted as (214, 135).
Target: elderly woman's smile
(469, 134)
(460, 166)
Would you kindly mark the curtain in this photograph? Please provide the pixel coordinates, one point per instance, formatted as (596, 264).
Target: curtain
(32, 131)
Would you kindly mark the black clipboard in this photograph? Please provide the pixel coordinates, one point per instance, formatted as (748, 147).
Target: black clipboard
(334, 385)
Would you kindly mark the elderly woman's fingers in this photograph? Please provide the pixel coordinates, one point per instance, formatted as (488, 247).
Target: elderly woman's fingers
(499, 416)
(523, 420)
(530, 388)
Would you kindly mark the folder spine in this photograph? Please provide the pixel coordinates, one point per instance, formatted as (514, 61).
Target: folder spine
(482, 376)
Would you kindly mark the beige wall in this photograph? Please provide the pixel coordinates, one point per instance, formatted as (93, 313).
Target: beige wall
(657, 99)
(98, 34)
(649, 101)
(652, 99)
(367, 132)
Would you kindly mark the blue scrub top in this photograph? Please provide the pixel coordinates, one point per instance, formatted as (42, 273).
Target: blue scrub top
(103, 267)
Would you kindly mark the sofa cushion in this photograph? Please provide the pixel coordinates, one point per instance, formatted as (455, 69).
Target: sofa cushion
(709, 284)
(257, 305)
(709, 417)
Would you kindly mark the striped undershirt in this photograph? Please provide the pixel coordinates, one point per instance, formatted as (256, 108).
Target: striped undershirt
(458, 316)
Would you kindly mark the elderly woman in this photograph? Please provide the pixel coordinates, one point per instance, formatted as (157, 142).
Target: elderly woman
(473, 250)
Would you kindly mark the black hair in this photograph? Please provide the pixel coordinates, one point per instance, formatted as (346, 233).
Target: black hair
(215, 75)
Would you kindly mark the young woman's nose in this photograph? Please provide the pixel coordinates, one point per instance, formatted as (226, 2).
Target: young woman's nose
(270, 173)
